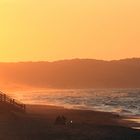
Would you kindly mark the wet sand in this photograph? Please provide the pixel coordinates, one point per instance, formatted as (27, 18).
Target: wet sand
(132, 121)
(38, 124)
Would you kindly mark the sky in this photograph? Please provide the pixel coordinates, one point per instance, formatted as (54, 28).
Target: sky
(48, 30)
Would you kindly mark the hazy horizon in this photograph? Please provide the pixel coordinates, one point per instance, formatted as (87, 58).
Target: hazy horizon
(76, 73)
(69, 59)
(61, 32)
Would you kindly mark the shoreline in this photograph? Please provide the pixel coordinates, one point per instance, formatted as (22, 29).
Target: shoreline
(38, 123)
(122, 120)
(133, 121)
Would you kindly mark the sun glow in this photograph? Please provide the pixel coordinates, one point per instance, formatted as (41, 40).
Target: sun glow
(50, 30)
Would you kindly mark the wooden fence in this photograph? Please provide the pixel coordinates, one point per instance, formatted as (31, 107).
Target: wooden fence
(8, 100)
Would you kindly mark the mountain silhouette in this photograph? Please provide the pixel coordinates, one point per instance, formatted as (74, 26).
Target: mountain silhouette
(76, 73)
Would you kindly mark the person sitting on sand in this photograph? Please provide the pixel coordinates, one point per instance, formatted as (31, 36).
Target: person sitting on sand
(64, 120)
(61, 120)
(58, 120)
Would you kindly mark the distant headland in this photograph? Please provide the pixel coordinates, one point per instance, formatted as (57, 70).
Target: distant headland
(75, 73)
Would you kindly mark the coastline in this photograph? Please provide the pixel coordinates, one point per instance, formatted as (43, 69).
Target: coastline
(38, 124)
(118, 119)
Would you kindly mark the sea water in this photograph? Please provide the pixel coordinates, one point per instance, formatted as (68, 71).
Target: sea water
(122, 101)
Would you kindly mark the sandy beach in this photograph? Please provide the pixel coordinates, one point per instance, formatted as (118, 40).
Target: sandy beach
(38, 124)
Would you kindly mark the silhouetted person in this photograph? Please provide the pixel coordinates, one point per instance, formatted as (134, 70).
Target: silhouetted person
(64, 120)
(60, 120)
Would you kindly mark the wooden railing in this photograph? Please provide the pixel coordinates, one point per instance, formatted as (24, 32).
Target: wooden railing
(7, 99)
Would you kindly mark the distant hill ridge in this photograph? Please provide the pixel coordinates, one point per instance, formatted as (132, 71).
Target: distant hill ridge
(75, 73)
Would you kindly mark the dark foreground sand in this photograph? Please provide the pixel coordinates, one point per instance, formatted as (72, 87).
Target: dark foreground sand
(38, 124)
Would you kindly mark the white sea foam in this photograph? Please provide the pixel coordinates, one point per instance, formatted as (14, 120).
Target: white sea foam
(122, 101)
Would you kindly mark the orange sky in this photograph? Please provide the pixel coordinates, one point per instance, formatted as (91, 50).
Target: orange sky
(32, 30)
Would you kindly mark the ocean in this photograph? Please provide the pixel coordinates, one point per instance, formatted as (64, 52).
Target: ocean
(121, 101)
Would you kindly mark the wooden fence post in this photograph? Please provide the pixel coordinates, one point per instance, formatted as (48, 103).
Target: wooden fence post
(1, 97)
(13, 101)
(4, 98)
(24, 107)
